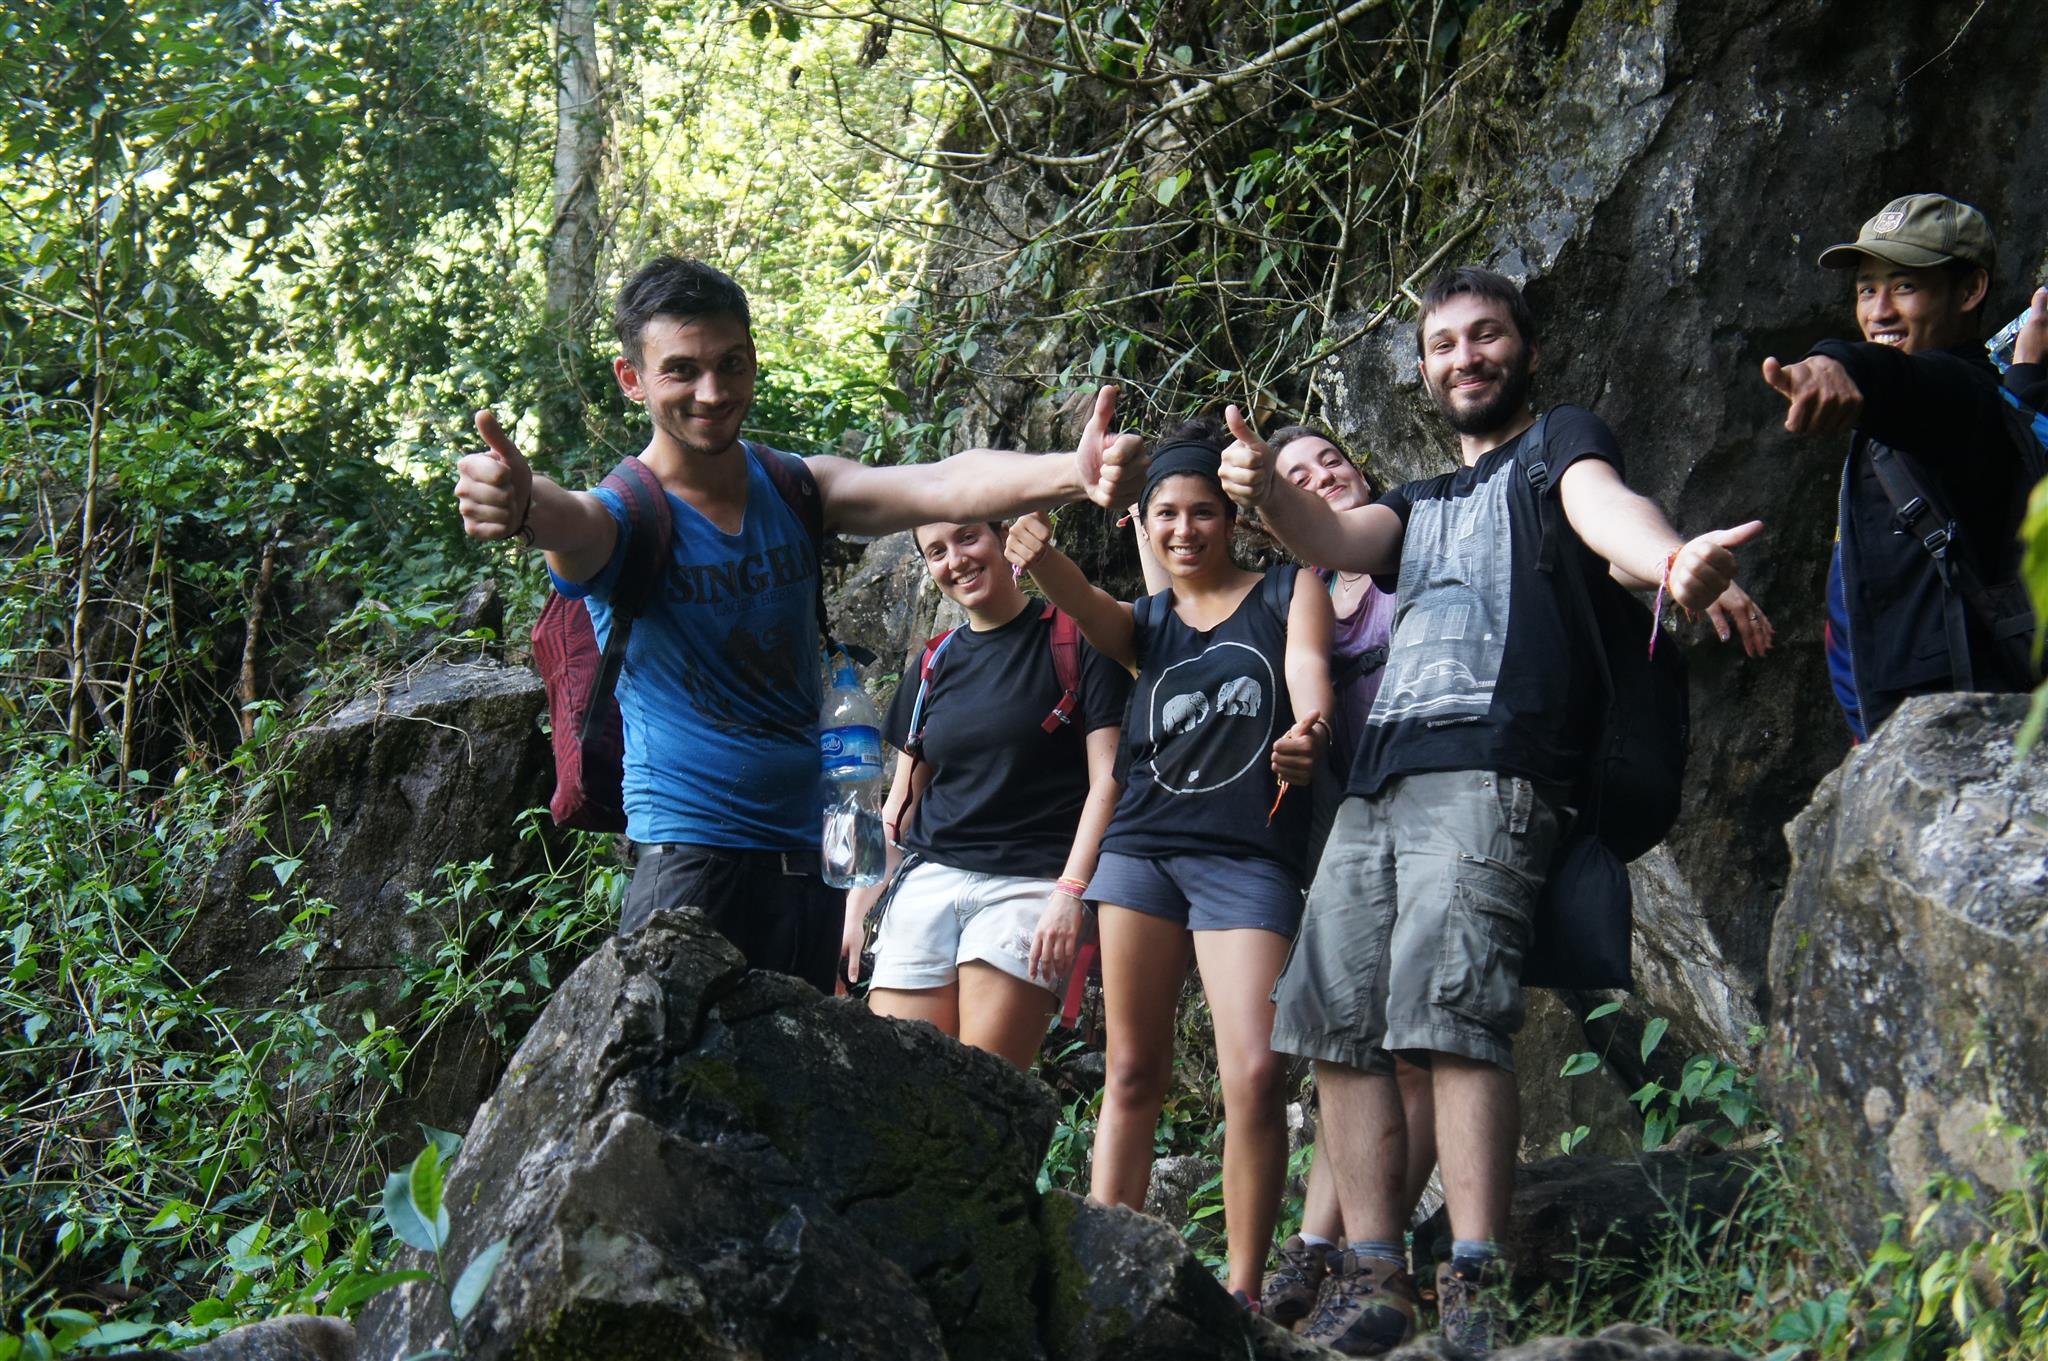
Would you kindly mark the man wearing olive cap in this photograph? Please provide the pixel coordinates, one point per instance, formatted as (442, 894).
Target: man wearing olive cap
(1921, 597)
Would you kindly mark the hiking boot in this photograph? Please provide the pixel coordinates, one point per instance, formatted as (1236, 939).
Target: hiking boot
(1292, 1286)
(1367, 1307)
(1472, 1306)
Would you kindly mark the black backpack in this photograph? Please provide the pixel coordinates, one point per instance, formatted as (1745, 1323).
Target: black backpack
(1629, 792)
(2002, 608)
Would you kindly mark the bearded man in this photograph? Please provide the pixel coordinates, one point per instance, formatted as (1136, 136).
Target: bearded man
(1420, 912)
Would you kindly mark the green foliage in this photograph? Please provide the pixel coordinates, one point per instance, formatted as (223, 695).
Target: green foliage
(2034, 571)
(1712, 1095)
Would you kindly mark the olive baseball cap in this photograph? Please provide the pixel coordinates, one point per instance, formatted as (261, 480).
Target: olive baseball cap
(1919, 231)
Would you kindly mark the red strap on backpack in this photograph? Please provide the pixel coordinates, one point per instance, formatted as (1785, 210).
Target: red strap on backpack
(1066, 666)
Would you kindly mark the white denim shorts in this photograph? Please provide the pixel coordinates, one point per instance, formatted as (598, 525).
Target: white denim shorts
(939, 918)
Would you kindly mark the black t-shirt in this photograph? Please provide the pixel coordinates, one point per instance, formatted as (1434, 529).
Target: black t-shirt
(1005, 795)
(1484, 671)
(1198, 744)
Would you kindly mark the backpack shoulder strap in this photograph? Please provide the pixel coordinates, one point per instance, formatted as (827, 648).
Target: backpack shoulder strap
(650, 534)
(914, 743)
(649, 540)
(1531, 455)
(1148, 612)
(1276, 591)
(1916, 511)
(1065, 641)
(798, 487)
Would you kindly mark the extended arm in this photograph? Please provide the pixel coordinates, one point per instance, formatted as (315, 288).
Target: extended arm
(498, 493)
(1363, 539)
(861, 901)
(1311, 625)
(1105, 621)
(1156, 579)
(1631, 533)
(1059, 928)
(982, 484)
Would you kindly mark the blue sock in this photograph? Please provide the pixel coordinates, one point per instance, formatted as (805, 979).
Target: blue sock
(1377, 1247)
(1474, 1251)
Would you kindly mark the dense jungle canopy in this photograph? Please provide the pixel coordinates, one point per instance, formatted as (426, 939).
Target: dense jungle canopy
(259, 263)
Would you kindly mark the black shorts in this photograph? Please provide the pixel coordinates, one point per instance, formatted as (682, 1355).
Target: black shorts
(771, 904)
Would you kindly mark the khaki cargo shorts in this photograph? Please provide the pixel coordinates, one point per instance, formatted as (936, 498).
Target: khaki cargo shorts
(1417, 922)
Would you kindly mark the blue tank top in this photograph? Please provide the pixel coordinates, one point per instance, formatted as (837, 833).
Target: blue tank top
(721, 685)
(1198, 737)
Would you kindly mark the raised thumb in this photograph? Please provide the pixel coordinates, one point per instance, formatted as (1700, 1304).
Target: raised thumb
(1738, 536)
(1777, 377)
(1239, 427)
(497, 441)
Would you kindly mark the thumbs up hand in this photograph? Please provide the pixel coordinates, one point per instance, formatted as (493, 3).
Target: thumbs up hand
(494, 487)
(1111, 466)
(1705, 567)
(1247, 471)
(1297, 750)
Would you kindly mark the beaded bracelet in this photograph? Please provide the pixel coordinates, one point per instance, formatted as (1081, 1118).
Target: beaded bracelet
(1657, 610)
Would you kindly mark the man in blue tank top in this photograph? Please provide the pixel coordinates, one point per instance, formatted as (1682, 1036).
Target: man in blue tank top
(721, 685)
(1420, 911)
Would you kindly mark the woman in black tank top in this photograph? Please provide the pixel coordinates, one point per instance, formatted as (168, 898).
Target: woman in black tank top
(1232, 683)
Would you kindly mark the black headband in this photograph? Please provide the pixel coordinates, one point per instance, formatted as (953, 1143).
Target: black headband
(1187, 456)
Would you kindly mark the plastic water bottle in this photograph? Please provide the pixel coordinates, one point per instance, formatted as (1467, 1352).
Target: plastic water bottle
(850, 745)
(2001, 345)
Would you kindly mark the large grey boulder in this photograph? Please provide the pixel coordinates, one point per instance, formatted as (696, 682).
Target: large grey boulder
(431, 770)
(1907, 960)
(692, 1159)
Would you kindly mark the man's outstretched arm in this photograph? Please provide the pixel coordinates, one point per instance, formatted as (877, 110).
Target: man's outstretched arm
(501, 497)
(1631, 533)
(1362, 539)
(983, 484)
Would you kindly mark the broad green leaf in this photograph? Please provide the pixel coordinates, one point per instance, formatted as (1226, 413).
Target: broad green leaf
(356, 1289)
(475, 1278)
(1169, 188)
(447, 1143)
(1578, 1064)
(404, 1218)
(1653, 1035)
(119, 1330)
(761, 24)
(425, 1182)
(1603, 1011)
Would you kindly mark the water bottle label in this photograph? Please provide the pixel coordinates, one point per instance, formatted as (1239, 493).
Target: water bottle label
(853, 752)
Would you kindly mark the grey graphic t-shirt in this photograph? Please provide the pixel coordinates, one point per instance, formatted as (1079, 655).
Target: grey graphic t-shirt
(1482, 671)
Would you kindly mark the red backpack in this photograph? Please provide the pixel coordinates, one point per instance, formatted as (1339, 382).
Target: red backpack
(589, 735)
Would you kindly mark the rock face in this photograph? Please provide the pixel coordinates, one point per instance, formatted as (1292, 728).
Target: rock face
(428, 773)
(1907, 957)
(691, 1159)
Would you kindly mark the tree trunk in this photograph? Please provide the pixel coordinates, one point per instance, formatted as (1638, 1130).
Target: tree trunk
(573, 230)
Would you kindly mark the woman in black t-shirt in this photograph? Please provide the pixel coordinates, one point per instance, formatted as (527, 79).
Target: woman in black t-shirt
(993, 820)
(1205, 851)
